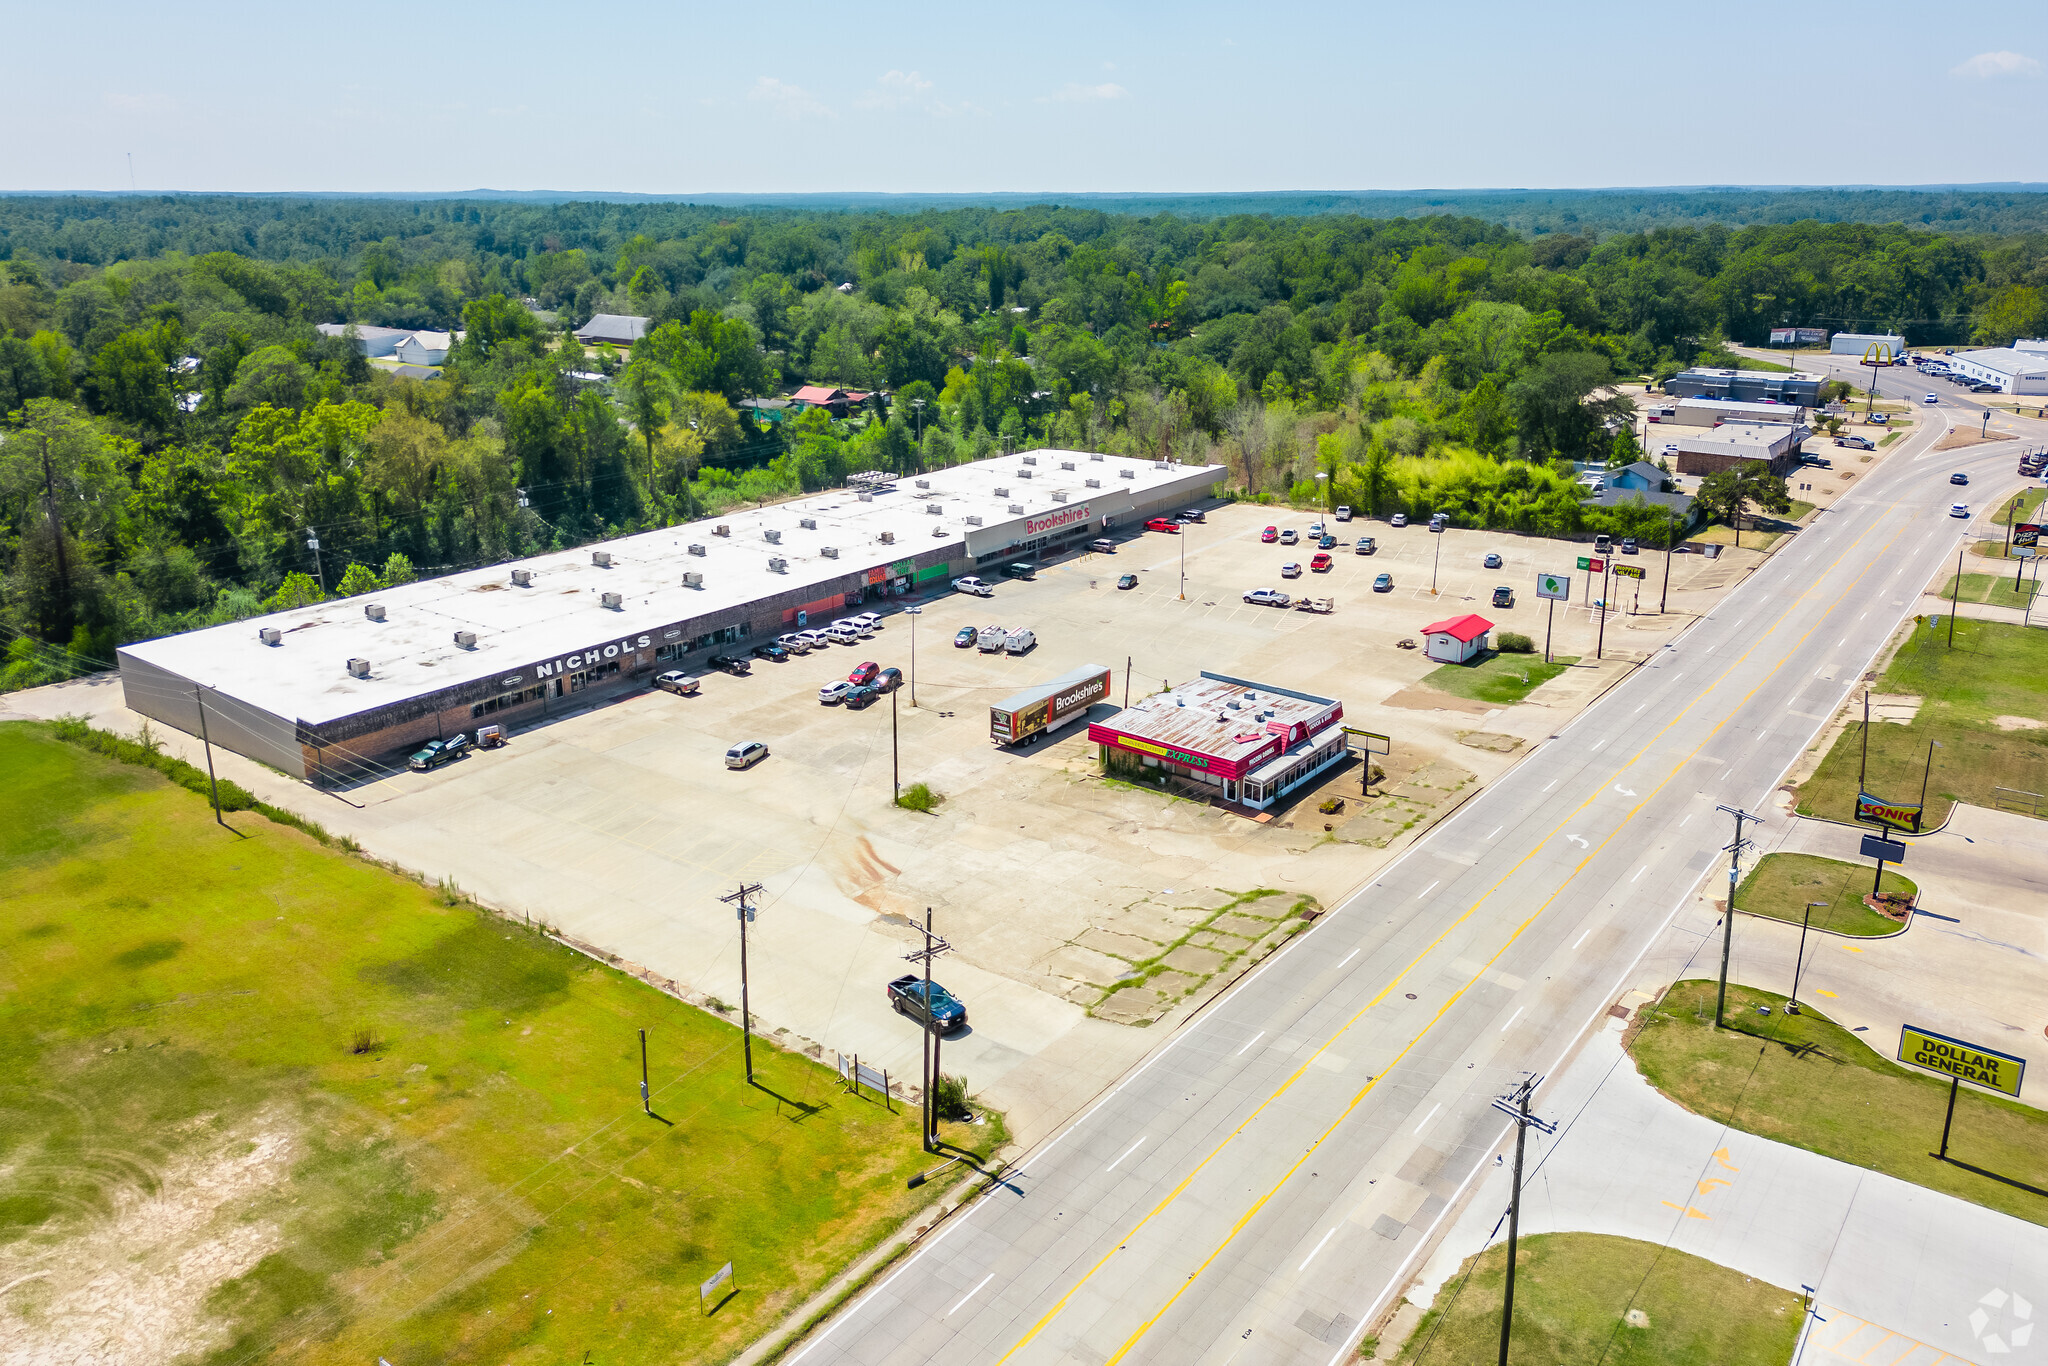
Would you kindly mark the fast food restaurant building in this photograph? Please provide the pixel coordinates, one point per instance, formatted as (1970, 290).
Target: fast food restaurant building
(1253, 742)
(343, 689)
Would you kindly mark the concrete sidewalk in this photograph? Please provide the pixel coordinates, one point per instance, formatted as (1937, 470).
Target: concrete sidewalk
(1931, 1277)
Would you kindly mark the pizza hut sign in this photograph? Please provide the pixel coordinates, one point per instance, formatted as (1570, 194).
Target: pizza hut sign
(1053, 521)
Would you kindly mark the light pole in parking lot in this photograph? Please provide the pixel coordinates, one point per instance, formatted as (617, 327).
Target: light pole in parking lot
(913, 613)
(1805, 918)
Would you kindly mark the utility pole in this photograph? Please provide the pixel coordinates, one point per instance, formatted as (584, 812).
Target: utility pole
(1515, 1105)
(1863, 764)
(212, 783)
(1925, 774)
(1806, 918)
(1670, 537)
(64, 618)
(1955, 596)
(913, 613)
(1606, 592)
(1728, 919)
(1184, 562)
(895, 762)
(746, 915)
(644, 1103)
(1127, 680)
(933, 947)
(313, 544)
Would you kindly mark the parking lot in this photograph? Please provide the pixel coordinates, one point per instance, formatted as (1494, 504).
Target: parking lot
(1084, 915)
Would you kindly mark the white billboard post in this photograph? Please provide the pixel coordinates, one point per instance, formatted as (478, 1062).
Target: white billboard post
(1553, 588)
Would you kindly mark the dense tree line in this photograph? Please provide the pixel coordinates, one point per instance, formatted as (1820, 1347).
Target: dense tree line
(177, 431)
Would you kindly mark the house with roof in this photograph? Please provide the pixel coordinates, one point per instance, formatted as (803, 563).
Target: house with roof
(838, 402)
(1456, 640)
(371, 341)
(423, 348)
(617, 329)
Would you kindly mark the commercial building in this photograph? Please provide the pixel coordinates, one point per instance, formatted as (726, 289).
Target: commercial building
(1859, 344)
(2014, 371)
(2037, 346)
(1254, 743)
(615, 329)
(1739, 445)
(336, 690)
(371, 341)
(1752, 386)
(1456, 640)
(1710, 412)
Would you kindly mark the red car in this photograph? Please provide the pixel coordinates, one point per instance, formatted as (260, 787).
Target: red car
(864, 674)
(1270, 535)
(1321, 564)
(1161, 524)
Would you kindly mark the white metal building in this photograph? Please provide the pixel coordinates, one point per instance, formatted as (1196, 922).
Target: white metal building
(1856, 343)
(2013, 371)
(334, 690)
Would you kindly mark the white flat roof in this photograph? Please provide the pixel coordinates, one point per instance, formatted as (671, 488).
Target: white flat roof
(412, 652)
(2005, 360)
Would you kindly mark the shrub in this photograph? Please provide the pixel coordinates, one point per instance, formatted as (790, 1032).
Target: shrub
(949, 1098)
(918, 797)
(1514, 643)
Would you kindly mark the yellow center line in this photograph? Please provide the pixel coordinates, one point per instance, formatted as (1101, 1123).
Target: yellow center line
(1173, 1195)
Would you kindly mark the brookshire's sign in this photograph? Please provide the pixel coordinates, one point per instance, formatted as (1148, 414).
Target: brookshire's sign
(1053, 521)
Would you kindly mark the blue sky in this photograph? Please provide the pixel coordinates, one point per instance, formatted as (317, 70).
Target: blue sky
(1045, 97)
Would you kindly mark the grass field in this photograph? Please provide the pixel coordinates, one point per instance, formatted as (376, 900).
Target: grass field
(301, 1110)
(1996, 670)
(1804, 1080)
(1590, 1297)
(1993, 589)
(1505, 679)
(1780, 885)
(2020, 508)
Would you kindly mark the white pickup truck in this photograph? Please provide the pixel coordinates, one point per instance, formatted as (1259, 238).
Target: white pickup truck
(973, 585)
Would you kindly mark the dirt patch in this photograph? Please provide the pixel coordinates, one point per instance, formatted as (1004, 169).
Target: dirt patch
(1897, 708)
(1490, 740)
(1961, 437)
(133, 1284)
(2018, 723)
(1429, 699)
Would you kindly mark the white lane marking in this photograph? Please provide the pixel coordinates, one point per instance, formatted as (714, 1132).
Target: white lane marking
(1552, 783)
(1319, 1247)
(1644, 705)
(1428, 1117)
(1579, 840)
(1582, 939)
(1512, 1018)
(1640, 871)
(1688, 816)
(1496, 830)
(1427, 890)
(1127, 1152)
(1347, 958)
(970, 1294)
(1256, 1037)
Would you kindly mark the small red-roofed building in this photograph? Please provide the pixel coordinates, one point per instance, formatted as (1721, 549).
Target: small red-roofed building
(1456, 640)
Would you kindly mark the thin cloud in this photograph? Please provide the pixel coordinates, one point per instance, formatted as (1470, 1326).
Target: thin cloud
(894, 90)
(791, 102)
(1991, 66)
(1073, 93)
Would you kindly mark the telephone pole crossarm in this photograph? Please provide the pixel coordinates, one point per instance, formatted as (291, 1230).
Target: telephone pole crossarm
(745, 913)
(1734, 851)
(934, 945)
(1515, 1105)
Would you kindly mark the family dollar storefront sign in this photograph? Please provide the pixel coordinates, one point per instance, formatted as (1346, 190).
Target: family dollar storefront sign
(1973, 1063)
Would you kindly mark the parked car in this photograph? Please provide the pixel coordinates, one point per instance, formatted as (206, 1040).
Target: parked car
(1321, 564)
(873, 620)
(889, 679)
(1127, 581)
(796, 642)
(1492, 560)
(864, 672)
(861, 627)
(1628, 545)
(1289, 536)
(771, 651)
(1020, 571)
(736, 665)
(746, 754)
(1270, 535)
(964, 637)
(835, 691)
(1383, 584)
(1437, 521)
(1019, 641)
(1367, 545)
(1981, 388)
(991, 638)
(859, 697)
(1884, 419)
(1959, 478)
(1343, 512)
(1315, 531)
(1503, 596)
(1959, 510)
(971, 584)
(1326, 542)
(1162, 524)
(1103, 547)
(1854, 443)
(841, 635)
(1602, 544)
(1191, 515)
(943, 1012)
(438, 752)
(1290, 570)
(1269, 597)
(677, 682)
(1398, 519)
(817, 637)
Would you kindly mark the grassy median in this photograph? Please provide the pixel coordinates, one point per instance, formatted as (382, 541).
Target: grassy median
(1994, 590)
(1780, 885)
(303, 1109)
(1804, 1080)
(1499, 678)
(1985, 701)
(1586, 1297)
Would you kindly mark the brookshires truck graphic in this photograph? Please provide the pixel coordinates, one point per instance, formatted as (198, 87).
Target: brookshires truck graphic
(1028, 716)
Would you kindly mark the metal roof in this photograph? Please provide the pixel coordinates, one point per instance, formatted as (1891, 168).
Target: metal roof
(1198, 716)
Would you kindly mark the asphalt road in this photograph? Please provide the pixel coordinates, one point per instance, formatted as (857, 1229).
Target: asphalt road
(1259, 1188)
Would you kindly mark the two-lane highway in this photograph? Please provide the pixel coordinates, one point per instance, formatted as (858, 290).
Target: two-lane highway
(1257, 1189)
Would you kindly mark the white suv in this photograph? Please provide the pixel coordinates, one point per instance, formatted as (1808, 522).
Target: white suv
(858, 625)
(871, 620)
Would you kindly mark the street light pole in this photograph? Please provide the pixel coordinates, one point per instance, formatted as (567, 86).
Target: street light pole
(1955, 595)
(913, 613)
(1728, 919)
(1670, 536)
(1792, 1006)
(1435, 561)
(1926, 773)
(746, 915)
(1515, 1105)
(895, 762)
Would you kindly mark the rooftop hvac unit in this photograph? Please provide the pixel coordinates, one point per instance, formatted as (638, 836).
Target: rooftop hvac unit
(935, 509)
(1031, 460)
(924, 483)
(1127, 474)
(359, 667)
(1059, 495)
(1095, 455)
(1066, 464)
(721, 530)
(696, 549)
(374, 611)
(1023, 474)
(830, 552)
(772, 536)
(888, 538)
(778, 565)
(601, 558)
(613, 600)
(1016, 509)
(692, 579)
(270, 635)
(466, 639)
(973, 521)
(522, 577)
(864, 496)
(1158, 464)
(1002, 493)
(1093, 483)
(807, 523)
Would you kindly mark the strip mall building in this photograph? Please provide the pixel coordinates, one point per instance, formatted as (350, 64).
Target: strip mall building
(1253, 742)
(338, 690)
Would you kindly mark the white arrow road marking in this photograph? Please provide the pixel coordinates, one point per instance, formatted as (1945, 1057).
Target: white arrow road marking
(1626, 792)
(1575, 839)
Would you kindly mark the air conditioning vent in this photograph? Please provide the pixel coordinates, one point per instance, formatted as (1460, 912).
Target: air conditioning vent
(601, 558)
(270, 635)
(935, 509)
(697, 550)
(778, 565)
(865, 497)
(692, 579)
(830, 552)
(888, 538)
(721, 530)
(924, 483)
(522, 577)
(1023, 474)
(1093, 483)
(1059, 495)
(808, 523)
(1066, 464)
(466, 639)
(359, 667)
(1002, 493)
(772, 536)
(614, 601)
(1127, 474)
(374, 611)
(1016, 509)
(1031, 460)
(1095, 455)
(973, 521)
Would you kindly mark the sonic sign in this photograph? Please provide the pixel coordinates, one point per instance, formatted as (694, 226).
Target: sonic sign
(1899, 815)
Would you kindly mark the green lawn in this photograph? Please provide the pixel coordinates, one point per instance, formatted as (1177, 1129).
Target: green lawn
(2029, 502)
(1592, 1297)
(1781, 884)
(413, 1130)
(1505, 679)
(1804, 1080)
(1995, 669)
(1994, 589)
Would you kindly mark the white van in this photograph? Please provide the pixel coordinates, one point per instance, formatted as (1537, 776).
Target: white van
(992, 638)
(858, 625)
(872, 620)
(1019, 641)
